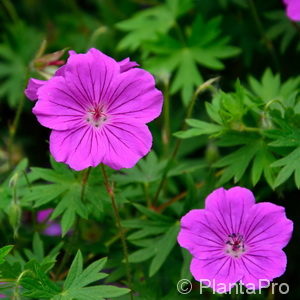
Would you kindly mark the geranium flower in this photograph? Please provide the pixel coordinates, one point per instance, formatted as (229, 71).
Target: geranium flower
(97, 109)
(293, 9)
(233, 239)
(52, 228)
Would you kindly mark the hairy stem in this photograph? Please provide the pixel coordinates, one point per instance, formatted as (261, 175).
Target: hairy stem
(110, 191)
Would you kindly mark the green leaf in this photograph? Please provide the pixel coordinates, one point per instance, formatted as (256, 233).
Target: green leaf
(75, 270)
(142, 254)
(236, 163)
(199, 128)
(270, 88)
(15, 56)
(35, 282)
(262, 165)
(147, 170)
(187, 76)
(4, 251)
(282, 29)
(183, 57)
(145, 26)
(77, 281)
(38, 247)
(163, 248)
(290, 164)
(179, 7)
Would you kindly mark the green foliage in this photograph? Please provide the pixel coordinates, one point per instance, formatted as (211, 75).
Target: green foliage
(4, 251)
(180, 54)
(157, 227)
(65, 187)
(255, 120)
(76, 284)
(16, 54)
(32, 275)
(170, 54)
(282, 29)
(214, 131)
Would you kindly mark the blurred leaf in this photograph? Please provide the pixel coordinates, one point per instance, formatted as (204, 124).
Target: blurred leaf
(163, 248)
(199, 128)
(289, 165)
(282, 29)
(16, 54)
(144, 26)
(3, 252)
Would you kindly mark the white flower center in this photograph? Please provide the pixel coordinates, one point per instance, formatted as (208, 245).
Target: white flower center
(235, 246)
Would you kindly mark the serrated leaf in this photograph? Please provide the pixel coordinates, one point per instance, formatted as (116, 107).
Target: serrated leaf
(199, 128)
(237, 162)
(290, 164)
(75, 285)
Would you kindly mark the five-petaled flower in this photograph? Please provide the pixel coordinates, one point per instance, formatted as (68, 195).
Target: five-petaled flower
(233, 239)
(293, 9)
(97, 109)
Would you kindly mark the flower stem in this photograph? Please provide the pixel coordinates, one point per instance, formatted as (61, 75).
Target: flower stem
(166, 126)
(175, 151)
(110, 191)
(201, 88)
(73, 240)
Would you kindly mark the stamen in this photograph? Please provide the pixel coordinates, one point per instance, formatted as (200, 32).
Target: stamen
(96, 116)
(235, 245)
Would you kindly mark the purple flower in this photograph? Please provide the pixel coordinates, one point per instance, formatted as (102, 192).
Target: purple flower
(97, 109)
(52, 228)
(233, 239)
(293, 9)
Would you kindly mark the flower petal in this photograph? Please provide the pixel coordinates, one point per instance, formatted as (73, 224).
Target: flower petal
(230, 207)
(201, 234)
(32, 88)
(133, 94)
(43, 215)
(89, 76)
(293, 9)
(261, 266)
(57, 107)
(80, 148)
(53, 229)
(267, 224)
(126, 64)
(219, 273)
(127, 143)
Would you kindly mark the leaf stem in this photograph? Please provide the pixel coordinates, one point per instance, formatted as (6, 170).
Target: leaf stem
(201, 88)
(268, 43)
(175, 151)
(178, 197)
(110, 192)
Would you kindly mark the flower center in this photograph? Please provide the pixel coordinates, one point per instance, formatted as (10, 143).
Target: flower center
(96, 116)
(235, 246)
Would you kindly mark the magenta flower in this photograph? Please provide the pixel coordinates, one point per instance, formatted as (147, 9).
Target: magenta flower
(97, 109)
(293, 9)
(233, 239)
(52, 228)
